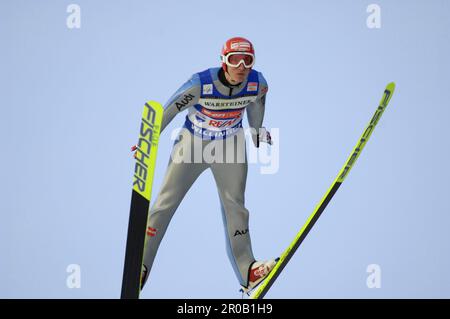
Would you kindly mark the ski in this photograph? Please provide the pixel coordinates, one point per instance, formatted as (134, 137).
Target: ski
(144, 169)
(262, 289)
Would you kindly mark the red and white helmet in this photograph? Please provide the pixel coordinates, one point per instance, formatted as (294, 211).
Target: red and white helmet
(237, 50)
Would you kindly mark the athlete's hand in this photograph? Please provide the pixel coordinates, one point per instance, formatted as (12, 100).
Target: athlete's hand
(264, 136)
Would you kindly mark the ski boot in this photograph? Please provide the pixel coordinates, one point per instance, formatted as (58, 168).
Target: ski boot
(257, 272)
(144, 276)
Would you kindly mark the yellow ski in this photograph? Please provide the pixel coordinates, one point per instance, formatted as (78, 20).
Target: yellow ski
(262, 289)
(144, 169)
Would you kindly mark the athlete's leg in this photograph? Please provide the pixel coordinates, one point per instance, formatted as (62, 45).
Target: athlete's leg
(177, 181)
(231, 178)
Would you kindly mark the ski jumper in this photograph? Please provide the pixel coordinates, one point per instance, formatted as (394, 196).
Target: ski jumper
(215, 111)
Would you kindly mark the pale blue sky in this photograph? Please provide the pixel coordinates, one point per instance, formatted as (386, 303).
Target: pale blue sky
(71, 100)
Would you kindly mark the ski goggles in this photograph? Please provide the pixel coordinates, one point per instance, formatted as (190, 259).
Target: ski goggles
(234, 59)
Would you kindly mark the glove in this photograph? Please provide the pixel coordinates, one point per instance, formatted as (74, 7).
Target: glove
(263, 135)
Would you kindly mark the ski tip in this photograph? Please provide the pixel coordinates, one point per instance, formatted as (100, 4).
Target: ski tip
(391, 86)
(155, 105)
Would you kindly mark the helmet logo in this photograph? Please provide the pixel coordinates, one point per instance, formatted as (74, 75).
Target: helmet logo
(240, 46)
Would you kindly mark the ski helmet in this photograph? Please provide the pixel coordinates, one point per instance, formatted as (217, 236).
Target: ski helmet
(243, 51)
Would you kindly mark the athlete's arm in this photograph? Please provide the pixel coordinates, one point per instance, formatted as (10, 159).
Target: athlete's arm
(255, 113)
(186, 96)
